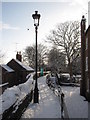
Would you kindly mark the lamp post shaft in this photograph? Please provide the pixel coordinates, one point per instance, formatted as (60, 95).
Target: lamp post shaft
(36, 91)
(36, 52)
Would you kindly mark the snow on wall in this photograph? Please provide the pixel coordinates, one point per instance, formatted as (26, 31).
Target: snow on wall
(11, 95)
(88, 13)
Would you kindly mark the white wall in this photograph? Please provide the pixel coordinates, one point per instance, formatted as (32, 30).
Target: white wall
(89, 13)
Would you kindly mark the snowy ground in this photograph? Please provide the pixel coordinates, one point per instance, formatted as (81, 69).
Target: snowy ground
(76, 105)
(49, 104)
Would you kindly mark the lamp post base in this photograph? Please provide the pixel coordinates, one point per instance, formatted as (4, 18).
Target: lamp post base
(36, 95)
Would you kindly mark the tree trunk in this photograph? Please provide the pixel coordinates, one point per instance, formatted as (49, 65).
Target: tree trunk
(70, 71)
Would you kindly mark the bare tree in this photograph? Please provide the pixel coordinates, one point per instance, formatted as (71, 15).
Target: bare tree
(67, 37)
(42, 55)
(56, 60)
(29, 55)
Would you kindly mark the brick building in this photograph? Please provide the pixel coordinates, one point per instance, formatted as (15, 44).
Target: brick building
(7, 77)
(21, 70)
(85, 60)
(7, 74)
(14, 72)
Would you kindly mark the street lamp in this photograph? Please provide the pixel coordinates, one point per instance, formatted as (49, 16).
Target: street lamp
(36, 18)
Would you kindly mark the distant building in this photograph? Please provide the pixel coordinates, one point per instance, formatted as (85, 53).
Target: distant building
(21, 70)
(7, 77)
(85, 60)
(13, 73)
(7, 74)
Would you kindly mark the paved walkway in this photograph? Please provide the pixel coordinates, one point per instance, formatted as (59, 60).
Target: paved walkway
(49, 104)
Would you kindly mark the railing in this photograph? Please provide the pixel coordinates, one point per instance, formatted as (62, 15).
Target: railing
(58, 91)
(64, 112)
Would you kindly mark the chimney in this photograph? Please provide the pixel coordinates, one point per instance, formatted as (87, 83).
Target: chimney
(88, 13)
(83, 24)
(19, 56)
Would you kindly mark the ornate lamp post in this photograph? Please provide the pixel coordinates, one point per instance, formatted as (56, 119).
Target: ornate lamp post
(36, 18)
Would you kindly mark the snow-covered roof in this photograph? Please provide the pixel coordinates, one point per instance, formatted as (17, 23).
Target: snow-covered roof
(24, 66)
(7, 68)
(65, 74)
(1, 85)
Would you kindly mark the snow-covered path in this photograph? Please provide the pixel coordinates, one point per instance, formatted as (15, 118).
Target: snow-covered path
(49, 104)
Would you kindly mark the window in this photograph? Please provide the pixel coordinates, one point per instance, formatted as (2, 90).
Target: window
(86, 43)
(87, 84)
(86, 63)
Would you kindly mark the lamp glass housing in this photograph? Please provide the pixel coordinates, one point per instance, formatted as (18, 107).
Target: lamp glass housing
(36, 18)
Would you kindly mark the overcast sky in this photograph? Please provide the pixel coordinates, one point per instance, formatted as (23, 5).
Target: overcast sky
(16, 17)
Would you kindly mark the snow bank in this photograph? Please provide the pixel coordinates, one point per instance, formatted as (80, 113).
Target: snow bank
(11, 95)
(76, 105)
(26, 87)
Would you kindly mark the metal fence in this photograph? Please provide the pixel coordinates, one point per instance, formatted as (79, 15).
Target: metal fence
(58, 91)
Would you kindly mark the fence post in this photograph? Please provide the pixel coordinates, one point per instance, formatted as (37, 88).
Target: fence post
(62, 105)
(59, 91)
